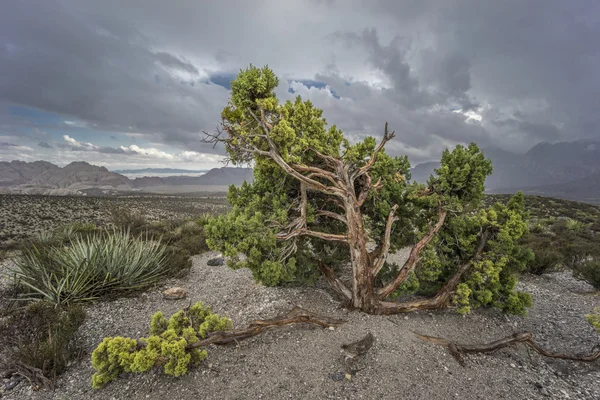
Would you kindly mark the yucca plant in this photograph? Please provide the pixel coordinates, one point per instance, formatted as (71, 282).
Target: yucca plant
(103, 264)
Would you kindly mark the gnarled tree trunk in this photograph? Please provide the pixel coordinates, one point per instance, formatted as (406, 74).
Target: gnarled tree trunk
(363, 296)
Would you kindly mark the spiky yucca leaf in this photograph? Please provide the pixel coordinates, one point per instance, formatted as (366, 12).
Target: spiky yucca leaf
(99, 265)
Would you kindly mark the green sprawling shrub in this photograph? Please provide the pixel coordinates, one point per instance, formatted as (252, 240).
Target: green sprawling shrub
(166, 346)
(589, 271)
(42, 337)
(90, 267)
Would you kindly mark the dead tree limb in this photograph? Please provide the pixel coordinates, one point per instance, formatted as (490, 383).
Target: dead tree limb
(297, 315)
(443, 296)
(458, 350)
(413, 258)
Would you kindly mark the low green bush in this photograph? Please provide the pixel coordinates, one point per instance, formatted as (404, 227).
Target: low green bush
(103, 264)
(167, 345)
(589, 271)
(545, 260)
(594, 319)
(42, 340)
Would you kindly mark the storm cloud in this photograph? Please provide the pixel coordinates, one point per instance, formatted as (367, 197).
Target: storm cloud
(507, 74)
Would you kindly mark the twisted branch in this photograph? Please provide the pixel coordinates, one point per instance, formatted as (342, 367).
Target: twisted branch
(413, 258)
(526, 338)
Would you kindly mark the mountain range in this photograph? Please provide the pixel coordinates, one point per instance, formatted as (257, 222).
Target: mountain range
(80, 178)
(569, 170)
(162, 171)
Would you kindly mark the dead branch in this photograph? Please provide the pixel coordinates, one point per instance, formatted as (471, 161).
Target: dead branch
(336, 284)
(442, 297)
(333, 215)
(297, 315)
(387, 136)
(413, 258)
(385, 247)
(273, 154)
(526, 338)
(368, 186)
(309, 232)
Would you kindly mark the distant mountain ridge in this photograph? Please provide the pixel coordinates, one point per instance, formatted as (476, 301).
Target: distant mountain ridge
(567, 170)
(173, 171)
(80, 177)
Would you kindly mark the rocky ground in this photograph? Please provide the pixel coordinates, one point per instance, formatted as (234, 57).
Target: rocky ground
(302, 362)
(24, 216)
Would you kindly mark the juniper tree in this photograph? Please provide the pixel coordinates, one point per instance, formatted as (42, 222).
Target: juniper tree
(321, 205)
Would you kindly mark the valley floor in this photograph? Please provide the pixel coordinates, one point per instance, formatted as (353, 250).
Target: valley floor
(302, 362)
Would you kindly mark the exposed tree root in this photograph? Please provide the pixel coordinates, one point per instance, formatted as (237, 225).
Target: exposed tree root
(354, 350)
(34, 376)
(297, 315)
(526, 338)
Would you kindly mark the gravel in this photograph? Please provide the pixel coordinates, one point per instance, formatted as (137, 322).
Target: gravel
(303, 362)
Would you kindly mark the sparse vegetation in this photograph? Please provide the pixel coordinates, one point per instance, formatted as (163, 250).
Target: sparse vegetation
(589, 271)
(29, 215)
(104, 264)
(42, 340)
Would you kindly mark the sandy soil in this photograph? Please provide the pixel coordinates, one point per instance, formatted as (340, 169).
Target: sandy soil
(303, 362)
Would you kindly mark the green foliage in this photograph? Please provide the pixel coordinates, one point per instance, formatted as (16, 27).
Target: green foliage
(589, 271)
(492, 279)
(594, 319)
(299, 132)
(43, 337)
(166, 346)
(111, 263)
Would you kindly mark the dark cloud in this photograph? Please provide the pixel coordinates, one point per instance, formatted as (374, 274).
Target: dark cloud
(502, 73)
(44, 145)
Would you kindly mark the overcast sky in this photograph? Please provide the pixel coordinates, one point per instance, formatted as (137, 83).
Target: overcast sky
(133, 83)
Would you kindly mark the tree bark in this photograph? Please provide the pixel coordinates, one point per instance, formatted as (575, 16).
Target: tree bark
(296, 316)
(458, 350)
(363, 295)
(413, 258)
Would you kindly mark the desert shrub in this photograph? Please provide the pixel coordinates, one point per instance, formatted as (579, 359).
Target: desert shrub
(70, 232)
(42, 340)
(589, 271)
(167, 345)
(90, 267)
(185, 234)
(574, 225)
(203, 219)
(594, 319)
(178, 261)
(127, 219)
(545, 260)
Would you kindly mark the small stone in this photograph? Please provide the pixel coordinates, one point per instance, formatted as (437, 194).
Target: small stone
(174, 293)
(215, 262)
(331, 328)
(406, 317)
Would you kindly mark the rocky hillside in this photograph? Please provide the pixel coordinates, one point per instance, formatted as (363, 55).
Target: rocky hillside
(80, 177)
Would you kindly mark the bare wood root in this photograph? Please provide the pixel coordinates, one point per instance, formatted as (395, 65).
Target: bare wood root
(297, 315)
(526, 338)
(356, 349)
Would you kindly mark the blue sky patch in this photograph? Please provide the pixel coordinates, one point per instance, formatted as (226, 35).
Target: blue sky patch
(222, 80)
